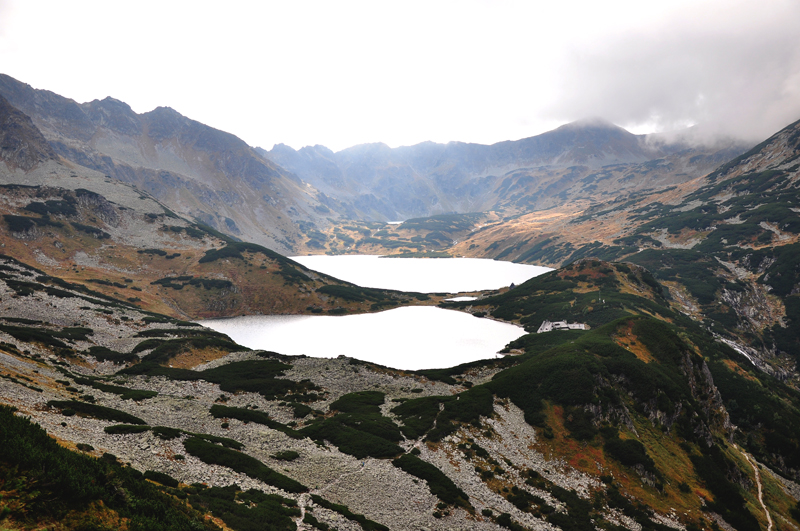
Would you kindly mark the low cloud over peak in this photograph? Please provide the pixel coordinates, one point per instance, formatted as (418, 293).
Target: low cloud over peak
(740, 77)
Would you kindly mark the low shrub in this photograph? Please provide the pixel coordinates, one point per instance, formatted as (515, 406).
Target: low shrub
(366, 524)
(125, 429)
(95, 411)
(160, 477)
(440, 485)
(217, 455)
(286, 455)
(248, 415)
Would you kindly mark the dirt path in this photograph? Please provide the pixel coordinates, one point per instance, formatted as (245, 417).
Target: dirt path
(758, 482)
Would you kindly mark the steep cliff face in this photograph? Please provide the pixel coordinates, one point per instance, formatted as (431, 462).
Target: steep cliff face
(195, 169)
(22, 145)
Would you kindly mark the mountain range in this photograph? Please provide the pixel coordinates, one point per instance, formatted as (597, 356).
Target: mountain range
(678, 408)
(277, 197)
(533, 173)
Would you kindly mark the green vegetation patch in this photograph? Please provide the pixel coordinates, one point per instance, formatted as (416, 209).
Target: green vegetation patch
(366, 524)
(101, 353)
(95, 411)
(163, 351)
(166, 433)
(437, 416)
(235, 249)
(123, 392)
(286, 455)
(358, 428)
(254, 376)
(218, 455)
(440, 485)
(52, 338)
(712, 466)
(178, 283)
(251, 510)
(55, 207)
(54, 482)
(249, 415)
(443, 222)
(551, 297)
(160, 477)
(92, 231)
(629, 452)
(125, 429)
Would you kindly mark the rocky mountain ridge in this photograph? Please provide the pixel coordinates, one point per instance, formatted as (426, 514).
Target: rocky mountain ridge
(280, 197)
(553, 168)
(198, 171)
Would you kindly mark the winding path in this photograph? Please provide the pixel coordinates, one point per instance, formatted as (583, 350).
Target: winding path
(758, 482)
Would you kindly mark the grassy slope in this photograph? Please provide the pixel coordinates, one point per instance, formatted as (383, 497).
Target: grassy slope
(191, 270)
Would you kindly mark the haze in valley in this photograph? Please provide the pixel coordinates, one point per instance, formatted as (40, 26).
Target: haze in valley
(345, 73)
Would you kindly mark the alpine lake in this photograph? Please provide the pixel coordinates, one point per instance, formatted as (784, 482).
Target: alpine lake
(407, 338)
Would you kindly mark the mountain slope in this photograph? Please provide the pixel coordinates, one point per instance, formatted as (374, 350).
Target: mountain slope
(580, 160)
(81, 226)
(199, 171)
(725, 245)
(622, 425)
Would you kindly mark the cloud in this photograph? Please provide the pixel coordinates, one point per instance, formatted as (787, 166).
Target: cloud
(734, 69)
(342, 73)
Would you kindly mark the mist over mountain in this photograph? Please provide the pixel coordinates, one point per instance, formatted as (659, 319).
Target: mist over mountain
(382, 183)
(279, 197)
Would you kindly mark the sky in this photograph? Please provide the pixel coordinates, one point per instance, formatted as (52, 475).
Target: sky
(341, 73)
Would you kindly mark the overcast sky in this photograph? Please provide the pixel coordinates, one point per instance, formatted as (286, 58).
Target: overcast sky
(345, 73)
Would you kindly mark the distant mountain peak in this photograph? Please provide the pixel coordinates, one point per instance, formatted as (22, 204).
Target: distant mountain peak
(593, 122)
(164, 111)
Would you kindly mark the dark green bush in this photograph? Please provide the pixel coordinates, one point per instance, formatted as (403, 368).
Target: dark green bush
(124, 392)
(440, 485)
(106, 354)
(249, 415)
(217, 455)
(98, 412)
(160, 477)
(286, 455)
(247, 511)
(166, 433)
(57, 481)
(92, 231)
(366, 524)
(125, 429)
(629, 452)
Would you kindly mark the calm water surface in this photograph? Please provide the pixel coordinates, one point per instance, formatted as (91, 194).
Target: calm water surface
(411, 338)
(426, 275)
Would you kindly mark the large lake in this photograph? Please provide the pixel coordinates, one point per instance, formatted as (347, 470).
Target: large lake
(410, 338)
(426, 275)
